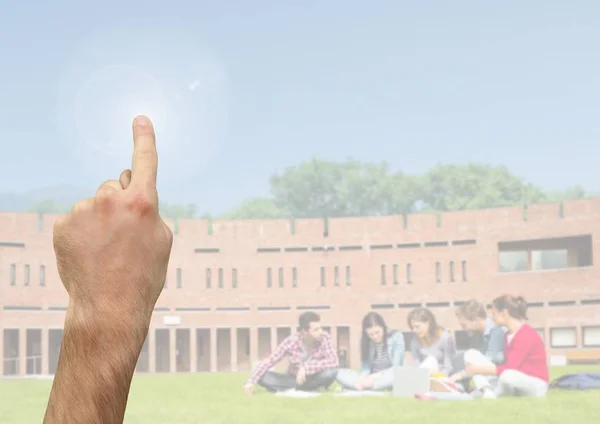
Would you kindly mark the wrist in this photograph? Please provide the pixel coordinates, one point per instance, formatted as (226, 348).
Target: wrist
(110, 336)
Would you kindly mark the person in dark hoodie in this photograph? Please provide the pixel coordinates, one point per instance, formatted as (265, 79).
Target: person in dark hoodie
(486, 338)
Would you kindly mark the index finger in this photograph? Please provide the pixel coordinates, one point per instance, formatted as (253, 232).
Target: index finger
(144, 165)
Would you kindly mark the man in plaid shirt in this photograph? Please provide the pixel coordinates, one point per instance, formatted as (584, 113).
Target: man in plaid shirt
(313, 360)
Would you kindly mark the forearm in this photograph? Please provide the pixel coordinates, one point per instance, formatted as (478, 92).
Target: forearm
(98, 356)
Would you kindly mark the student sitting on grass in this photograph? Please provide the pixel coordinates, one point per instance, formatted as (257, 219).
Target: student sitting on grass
(525, 370)
(381, 349)
(472, 317)
(313, 360)
(432, 347)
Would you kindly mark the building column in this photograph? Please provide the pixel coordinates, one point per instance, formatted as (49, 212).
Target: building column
(273, 339)
(22, 351)
(334, 337)
(193, 350)
(151, 350)
(234, 349)
(253, 347)
(45, 351)
(173, 350)
(213, 350)
(354, 350)
(1, 348)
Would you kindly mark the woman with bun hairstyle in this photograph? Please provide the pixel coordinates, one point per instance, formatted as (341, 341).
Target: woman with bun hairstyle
(525, 370)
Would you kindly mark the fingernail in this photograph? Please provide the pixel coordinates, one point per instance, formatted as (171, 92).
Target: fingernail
(141, 121)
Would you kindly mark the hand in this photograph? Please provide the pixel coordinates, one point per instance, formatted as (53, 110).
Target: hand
(368, 381)
(248, 388)
(301, 376)
(112, 250)
(112, 253)
(457, 377)
(471, 369)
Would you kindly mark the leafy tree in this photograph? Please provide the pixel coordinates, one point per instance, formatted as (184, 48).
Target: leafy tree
(320, 188)
(48, 206)
(178, 211)
(257, 208)
(476, 186)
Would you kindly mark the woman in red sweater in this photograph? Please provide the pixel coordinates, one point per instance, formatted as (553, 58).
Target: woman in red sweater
(525, 370)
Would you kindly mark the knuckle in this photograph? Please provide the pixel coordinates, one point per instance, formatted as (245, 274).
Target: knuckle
(80, 207)
(105, 200)
(142, 204)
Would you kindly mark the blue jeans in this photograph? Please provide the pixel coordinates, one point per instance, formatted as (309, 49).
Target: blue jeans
(348, 378)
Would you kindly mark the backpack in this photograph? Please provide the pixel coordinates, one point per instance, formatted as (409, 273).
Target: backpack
(580, 381)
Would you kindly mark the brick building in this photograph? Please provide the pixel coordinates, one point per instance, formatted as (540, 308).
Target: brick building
(235, 288)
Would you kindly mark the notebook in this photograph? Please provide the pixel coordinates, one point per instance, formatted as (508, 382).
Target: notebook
(409, 381)
(359, 393)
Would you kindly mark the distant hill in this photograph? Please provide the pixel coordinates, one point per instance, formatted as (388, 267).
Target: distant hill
(61, 197)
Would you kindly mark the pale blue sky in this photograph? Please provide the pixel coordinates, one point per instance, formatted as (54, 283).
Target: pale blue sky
(504, 82)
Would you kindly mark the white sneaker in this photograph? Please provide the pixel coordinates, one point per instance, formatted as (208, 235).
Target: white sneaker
(489, 394)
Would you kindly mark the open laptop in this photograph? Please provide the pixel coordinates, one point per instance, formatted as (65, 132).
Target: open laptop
(409, 381)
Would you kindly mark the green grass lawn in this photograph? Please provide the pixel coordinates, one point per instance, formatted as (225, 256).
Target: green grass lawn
(218, 398)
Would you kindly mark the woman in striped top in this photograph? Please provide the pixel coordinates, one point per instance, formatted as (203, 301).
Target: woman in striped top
(381, 350)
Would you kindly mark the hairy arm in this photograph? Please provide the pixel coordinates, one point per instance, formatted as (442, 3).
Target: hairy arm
(97, 360)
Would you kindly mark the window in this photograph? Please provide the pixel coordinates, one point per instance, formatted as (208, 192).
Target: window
(591, 336)
(545, 254)
(42, 275)
(542, 333)
(395, 274)
(26, 276)
(513, 261)
(294, 277)
(563, 337)
(234, 278)
(463, 265)
(269, 278)
(408, 274)
(452, 271)
(280, 277)
(208, 278)
(438, 272)
(336, 276)
(348, 275)
(179, 278)
(13, 274)
(220, 275)
(383, 275)
(322, 276)
(549, 259)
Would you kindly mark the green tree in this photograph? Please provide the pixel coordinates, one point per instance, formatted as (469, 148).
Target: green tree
(318, 188)
(475, 186)
(47, 206)
(257, 208)
(178, 211)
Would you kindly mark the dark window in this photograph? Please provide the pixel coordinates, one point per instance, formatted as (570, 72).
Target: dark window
(208, 278)
(179, 278)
